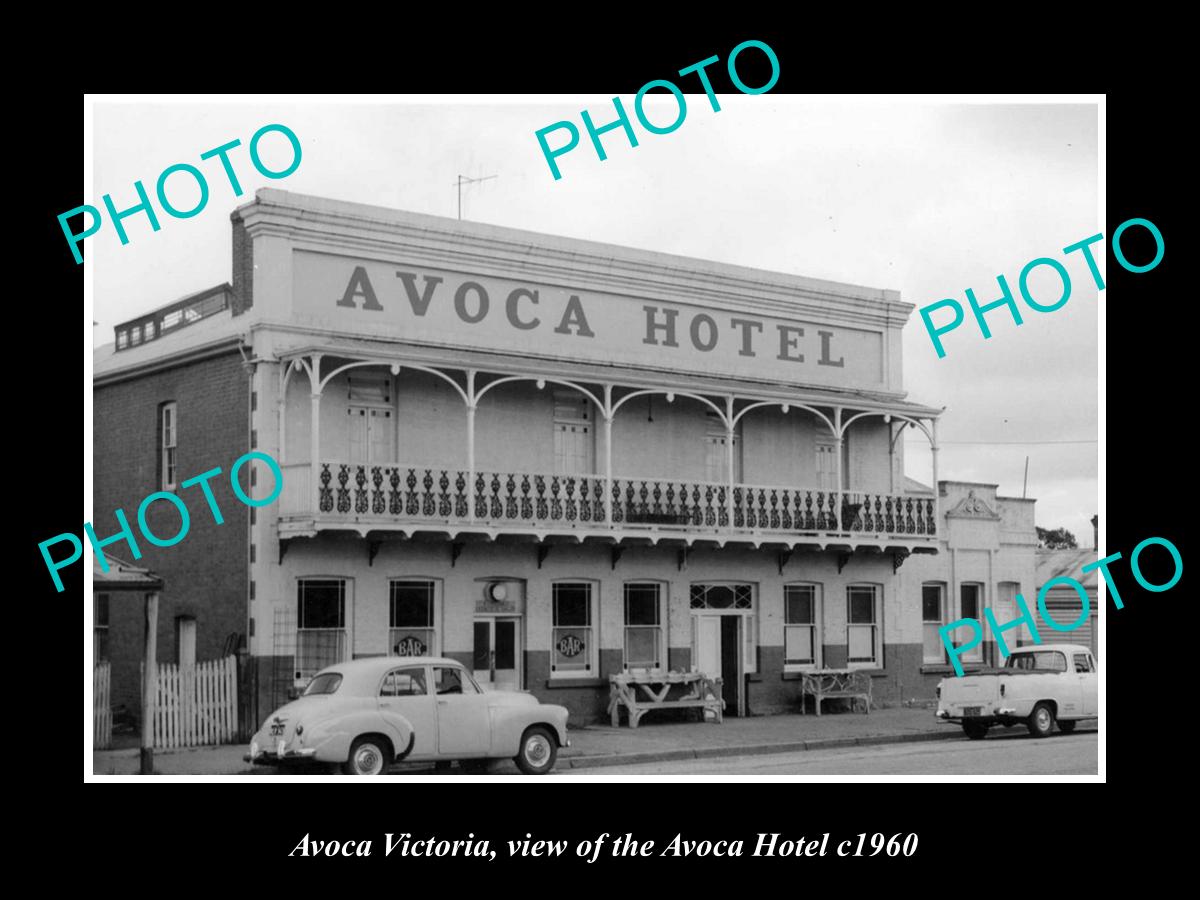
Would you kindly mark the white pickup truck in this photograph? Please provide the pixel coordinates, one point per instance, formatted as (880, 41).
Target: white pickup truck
(1039, 685)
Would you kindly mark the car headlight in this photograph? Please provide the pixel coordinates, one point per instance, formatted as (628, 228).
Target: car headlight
(299, 729)
(939, 692)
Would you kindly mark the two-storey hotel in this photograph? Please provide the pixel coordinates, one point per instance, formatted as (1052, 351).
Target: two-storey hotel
(554, 460)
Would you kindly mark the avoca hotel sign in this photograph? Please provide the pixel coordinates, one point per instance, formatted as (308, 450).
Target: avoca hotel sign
(435, 306)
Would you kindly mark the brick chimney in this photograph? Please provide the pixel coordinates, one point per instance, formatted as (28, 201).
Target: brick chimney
(243, 267)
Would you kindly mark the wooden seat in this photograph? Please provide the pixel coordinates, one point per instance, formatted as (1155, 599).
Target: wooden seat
(836, 684)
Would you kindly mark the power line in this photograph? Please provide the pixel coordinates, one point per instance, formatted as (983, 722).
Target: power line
(1017, 443)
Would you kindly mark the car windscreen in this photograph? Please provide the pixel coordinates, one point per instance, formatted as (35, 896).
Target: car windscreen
(325, 683)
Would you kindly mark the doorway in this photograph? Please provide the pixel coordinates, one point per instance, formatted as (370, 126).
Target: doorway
(497, 653)
(719, 642)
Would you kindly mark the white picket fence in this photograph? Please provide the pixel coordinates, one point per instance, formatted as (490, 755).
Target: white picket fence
(101, 706)
(196, 705)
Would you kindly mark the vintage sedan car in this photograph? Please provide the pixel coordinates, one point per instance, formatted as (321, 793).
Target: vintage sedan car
(366, 714)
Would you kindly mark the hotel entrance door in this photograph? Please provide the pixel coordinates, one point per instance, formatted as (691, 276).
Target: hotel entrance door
(497, 657)
(719, 653)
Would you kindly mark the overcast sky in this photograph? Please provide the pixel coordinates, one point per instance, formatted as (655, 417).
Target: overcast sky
(924, 198)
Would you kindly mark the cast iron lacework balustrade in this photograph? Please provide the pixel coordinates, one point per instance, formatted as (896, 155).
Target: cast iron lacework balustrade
(325, 500)
(570, 500)
(343, 495)
(360, 494)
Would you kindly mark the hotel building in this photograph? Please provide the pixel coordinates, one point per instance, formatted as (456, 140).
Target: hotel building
(552, 459)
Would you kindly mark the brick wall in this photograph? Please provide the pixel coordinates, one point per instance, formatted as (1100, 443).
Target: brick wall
(205, 573)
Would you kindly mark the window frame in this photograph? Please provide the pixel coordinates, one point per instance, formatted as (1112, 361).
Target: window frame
(572, 410)
(825, 443)
(943, 590)
(592, 663)
(877, 624)
(168, 453)
(434, 646)
(100, 631)
(345, 651)
(716, 434)
(661, 608)
(817, 625)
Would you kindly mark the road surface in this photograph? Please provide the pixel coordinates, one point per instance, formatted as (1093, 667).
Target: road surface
(1059, 754)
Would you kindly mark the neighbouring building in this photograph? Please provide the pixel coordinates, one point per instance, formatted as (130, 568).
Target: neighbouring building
(1064, 602)
(551, 459)
(986, 558)
(118, 636)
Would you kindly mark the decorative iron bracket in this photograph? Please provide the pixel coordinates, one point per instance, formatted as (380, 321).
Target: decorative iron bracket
(784, 556)
(842, 559)
(898, 559)
(372, 551)
(456, 550)
(543, 550)
(616, 551)
(684, 554)
(284, 543)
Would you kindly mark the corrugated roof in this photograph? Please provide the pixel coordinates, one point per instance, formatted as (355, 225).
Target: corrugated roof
(912, 486)
(106, 359)
(1069, 564)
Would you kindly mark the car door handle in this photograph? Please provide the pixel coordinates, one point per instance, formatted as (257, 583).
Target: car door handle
(443, 703)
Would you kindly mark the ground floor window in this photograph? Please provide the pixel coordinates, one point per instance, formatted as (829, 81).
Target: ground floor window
(801, 632)
(863, 632)
(645, 645)
(933, 601)
(320, 624)
(412, 618)
(99, 627)
(573, 638)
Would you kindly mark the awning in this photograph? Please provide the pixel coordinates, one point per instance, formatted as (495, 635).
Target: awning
(123, 576)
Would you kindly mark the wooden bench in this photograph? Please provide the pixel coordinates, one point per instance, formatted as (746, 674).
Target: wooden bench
(836, 684)
(705, 694)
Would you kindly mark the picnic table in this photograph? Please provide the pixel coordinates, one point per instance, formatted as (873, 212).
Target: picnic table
(836, 684)
(701, 692)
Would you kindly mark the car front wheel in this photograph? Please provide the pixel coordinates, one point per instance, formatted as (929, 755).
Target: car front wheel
(368, 756)
(1041, 720)
(538, 751)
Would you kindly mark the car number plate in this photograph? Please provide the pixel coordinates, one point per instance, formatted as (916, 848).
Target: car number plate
(280, 746)
(969, 711)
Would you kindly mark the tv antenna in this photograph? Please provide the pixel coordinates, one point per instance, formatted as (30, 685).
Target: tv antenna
(462, 179)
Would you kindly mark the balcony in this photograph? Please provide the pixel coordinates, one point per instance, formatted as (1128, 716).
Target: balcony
(366, 497)
(482, 469)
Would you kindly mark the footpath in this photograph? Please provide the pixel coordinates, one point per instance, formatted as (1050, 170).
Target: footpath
(602, 745)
